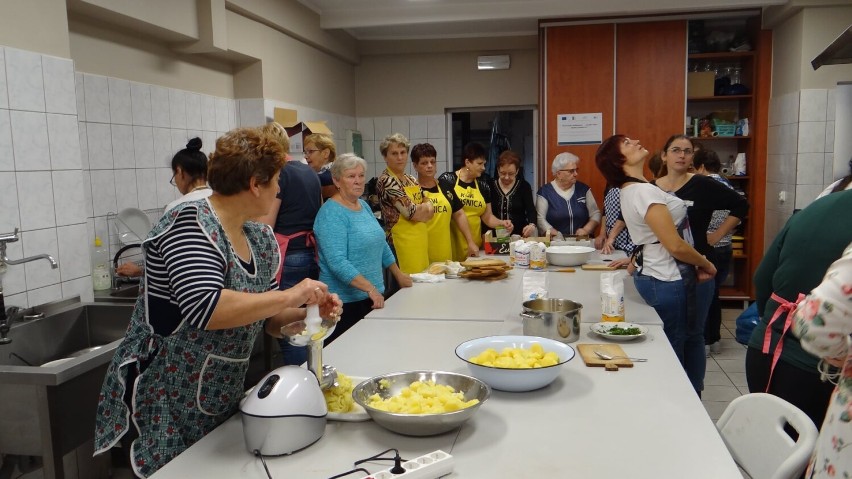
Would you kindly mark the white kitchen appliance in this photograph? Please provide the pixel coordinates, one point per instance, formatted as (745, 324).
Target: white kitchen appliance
(284, 413)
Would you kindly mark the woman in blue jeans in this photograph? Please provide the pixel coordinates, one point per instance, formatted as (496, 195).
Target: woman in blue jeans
(669, 271)
(292, 219)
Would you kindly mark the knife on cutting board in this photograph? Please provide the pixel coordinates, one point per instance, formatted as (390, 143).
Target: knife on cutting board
(587, 352)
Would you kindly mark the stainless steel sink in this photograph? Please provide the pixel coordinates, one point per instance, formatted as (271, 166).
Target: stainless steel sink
(126, 292)
(49, 411)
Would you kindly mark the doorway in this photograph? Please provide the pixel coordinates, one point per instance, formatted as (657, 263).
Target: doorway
(497, 129)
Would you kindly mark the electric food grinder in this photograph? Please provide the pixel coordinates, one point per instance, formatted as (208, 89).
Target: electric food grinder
(286, 410)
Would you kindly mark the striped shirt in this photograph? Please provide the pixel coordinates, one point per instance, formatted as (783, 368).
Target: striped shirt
(185, 274)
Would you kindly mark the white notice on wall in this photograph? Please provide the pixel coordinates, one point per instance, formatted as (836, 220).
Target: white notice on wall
(579, 128)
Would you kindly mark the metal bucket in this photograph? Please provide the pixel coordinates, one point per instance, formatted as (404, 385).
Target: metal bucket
(557, 319)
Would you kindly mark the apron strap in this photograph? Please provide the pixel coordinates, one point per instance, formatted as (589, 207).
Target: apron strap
(284, 240)
(790, 308)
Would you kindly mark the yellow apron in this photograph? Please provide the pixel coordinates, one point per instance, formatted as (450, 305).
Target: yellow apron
(474, 207)
(440, 242)
(410, 237)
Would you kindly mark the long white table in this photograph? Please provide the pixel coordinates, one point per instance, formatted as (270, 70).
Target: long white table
(642, 422)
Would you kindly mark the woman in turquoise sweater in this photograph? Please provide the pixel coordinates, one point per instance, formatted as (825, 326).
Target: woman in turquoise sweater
(352, 246)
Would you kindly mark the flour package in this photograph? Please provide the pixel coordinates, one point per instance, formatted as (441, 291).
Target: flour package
(612, 296)
(522, 253)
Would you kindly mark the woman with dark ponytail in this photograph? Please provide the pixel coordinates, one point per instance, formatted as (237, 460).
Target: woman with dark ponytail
(189, 168)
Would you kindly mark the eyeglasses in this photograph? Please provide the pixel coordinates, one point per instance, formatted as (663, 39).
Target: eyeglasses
(309, 152)
(686, 151)
(172, 181)
(509, 174)
(573, 171)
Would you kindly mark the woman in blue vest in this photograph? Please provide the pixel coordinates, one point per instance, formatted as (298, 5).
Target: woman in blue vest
(566, 205)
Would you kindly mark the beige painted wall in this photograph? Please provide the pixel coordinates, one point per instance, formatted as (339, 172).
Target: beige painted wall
(294, 72)
(821, 27)
(428, 83)
(129, 56)
(35, 25)
(787, 56)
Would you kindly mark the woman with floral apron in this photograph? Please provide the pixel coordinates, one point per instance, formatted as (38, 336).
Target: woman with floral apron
(209, 285)
(446, 204)
(475, 196)
(404, 209)
(792, 266)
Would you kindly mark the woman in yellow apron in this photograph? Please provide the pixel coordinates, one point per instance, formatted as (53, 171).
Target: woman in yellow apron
(475, 196)
(405, 211)
(447, 207)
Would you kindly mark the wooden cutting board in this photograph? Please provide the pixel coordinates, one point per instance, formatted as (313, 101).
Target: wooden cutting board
(587, 352)
(599, 267)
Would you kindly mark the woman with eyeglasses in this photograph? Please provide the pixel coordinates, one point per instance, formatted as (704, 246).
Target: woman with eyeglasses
(665, 260)
(566, 205)
(189, 176)
(475, 195)
(320, 151)
(702, 195)
(447, 207)
(513, 199)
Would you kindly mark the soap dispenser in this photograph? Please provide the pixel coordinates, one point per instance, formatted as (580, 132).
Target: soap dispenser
(101, 278)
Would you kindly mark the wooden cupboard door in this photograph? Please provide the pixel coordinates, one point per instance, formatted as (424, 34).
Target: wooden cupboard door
(579, 76)
(650, 87)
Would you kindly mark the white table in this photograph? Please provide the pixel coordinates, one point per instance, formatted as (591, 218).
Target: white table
(642, 422)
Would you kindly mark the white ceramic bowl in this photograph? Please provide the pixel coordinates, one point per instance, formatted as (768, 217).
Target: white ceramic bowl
(515, 380)
(569, 255)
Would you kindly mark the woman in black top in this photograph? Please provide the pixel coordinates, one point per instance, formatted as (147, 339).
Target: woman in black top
(512, 196)
(702, 195)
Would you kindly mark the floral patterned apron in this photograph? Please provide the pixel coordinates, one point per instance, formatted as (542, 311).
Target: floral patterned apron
(190, 381)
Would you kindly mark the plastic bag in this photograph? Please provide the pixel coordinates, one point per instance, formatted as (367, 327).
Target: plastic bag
(746, 322)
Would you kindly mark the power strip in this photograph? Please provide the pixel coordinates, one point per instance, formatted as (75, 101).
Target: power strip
(430, 466)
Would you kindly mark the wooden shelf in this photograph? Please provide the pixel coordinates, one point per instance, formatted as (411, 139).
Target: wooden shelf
(712, 138)
(720, 55)
(742, 256)
(732, 292)
(737, 177)
(719, 98)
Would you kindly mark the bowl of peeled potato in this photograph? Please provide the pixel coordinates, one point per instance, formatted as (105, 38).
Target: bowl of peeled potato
(515, 363)
(421, 403)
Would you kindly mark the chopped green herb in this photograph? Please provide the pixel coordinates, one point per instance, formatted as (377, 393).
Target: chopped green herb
(619, 331)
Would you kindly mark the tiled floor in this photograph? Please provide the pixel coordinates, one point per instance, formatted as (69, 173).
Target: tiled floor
(725, 378)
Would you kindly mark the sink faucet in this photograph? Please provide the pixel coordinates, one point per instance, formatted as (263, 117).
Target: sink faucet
(117, 279)
(7, 315)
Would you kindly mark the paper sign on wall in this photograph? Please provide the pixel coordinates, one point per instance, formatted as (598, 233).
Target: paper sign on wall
(579, 128)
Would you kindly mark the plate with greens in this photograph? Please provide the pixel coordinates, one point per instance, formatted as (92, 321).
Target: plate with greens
(619, 331)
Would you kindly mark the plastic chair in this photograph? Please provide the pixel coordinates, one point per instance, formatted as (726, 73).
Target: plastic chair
(752, 427)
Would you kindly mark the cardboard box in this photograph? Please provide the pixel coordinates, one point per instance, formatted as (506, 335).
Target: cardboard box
(297, 130)
(700, 84)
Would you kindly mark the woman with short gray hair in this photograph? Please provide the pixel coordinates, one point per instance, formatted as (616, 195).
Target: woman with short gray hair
(566, 205)
(352, 246)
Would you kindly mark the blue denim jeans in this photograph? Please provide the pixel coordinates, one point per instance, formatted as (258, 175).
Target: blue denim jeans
(669, 299)
(298, 265)
(713, 327)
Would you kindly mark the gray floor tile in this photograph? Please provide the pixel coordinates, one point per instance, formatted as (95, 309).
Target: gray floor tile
(730, 354)
(732, 365)
(712, 365)
(714, 408)
(720, 393)
(739, 379)
(717, 378)
(725, 334)
(743, 389)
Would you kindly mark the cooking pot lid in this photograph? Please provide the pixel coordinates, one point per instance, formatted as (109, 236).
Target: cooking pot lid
(286, 391)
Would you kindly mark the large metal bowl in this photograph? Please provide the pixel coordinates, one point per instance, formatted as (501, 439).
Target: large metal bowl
(391, 384)
(514, 380)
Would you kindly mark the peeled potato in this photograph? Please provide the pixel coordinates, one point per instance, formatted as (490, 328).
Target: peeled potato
(516, 358)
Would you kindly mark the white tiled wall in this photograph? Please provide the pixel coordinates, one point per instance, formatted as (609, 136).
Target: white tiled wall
(128, 134)
(41, 178)
(801, 153)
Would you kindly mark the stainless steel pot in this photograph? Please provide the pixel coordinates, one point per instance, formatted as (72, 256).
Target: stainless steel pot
(557, 319)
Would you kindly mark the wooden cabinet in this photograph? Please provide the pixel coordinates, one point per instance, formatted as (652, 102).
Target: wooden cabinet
(749, 69)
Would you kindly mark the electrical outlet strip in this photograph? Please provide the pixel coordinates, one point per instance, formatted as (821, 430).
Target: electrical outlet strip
(430, 466)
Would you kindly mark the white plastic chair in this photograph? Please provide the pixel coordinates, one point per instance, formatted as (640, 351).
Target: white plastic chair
(752, 427)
